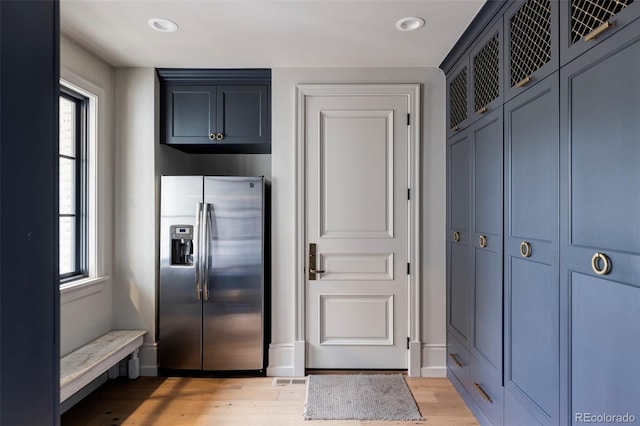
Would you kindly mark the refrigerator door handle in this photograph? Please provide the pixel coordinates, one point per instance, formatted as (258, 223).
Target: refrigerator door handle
(206, 244)
(198, 256)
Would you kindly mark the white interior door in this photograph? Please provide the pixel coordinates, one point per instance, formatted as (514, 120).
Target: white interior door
(357, 217)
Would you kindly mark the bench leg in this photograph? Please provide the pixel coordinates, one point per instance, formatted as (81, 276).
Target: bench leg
(134, 365)
(113, 372)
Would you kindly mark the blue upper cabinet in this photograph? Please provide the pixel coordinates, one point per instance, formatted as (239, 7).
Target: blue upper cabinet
(487, 68)
(216, 111)
(586, 23)
(458, 106)
(190, 114)
(243, 114)
(531, 44)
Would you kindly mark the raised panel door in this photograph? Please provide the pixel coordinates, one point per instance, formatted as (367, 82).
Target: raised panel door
(243, 114)
(190, 114)
(531, 251)
(459, 272)
(600, 239)
(486, 240)
(356, 217)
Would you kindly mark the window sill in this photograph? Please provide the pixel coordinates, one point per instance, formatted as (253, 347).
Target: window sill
(81, 288)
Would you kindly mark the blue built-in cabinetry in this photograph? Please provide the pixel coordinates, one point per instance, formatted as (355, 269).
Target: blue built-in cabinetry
(216, 110)
(543, 212)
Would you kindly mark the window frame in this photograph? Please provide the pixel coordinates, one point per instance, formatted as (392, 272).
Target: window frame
(81, 187)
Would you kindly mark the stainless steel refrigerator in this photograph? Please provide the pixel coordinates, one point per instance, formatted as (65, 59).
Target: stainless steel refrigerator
(212, 273)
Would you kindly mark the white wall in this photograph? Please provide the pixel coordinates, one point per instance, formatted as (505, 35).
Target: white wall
(85, 311)
(433, 222)
(137, 171)
(135, 259)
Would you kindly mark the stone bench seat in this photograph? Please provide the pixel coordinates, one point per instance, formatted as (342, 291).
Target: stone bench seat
(85, 364)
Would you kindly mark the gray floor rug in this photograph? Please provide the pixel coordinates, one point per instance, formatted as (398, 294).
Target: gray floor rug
(359, 397)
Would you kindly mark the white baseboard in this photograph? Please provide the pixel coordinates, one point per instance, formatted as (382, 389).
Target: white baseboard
(148, 359)
(434, 360)
(433, 372)
(280, 360)
(415, 359)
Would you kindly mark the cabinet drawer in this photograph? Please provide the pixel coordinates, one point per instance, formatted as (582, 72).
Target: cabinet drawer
(486, 390)
(459, 361)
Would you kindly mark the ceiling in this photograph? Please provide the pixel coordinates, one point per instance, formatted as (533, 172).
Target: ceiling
(267, 33)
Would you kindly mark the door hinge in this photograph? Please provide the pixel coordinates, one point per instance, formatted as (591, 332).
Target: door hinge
(408, 119)
(408, 340)
(408, 269)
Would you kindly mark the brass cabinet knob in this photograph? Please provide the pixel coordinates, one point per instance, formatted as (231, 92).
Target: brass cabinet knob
(456, 236)
(483, 241)
(212, 136)
(601, 258)
(219, 136)
(482, 110)
(525, 249)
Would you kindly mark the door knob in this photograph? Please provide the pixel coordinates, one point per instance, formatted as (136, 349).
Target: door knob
(312, 263)
(483, 241)
(219, 136)
(212, 136)
(601, 258)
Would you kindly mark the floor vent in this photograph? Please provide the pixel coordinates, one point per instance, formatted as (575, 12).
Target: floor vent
(285, 382)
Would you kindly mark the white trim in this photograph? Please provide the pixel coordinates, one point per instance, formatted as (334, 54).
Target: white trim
(97, 174)
(280, 360)
(148, 359)
(434, 360)
(412, 92)
(78, 289)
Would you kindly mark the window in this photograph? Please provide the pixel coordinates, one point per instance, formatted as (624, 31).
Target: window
(73, 214)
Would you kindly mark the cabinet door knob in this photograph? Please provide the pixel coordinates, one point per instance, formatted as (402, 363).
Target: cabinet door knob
(525, 249)
(219, 136)
(456, 236)
(212, 136)
(482, 110)
(599, 258)
(483, 241)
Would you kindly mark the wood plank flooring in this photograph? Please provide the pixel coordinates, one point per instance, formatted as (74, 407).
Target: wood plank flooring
(182, 401)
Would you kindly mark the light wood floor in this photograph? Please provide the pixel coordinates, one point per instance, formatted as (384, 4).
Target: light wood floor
(239, 401)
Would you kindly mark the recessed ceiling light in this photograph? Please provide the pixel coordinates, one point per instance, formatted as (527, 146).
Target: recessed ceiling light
(410, 23)
(163, 25)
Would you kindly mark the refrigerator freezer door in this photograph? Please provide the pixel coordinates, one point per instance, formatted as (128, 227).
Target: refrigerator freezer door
(180, 310)
(233, 314)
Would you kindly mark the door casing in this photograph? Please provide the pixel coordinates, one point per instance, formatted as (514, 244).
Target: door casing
(412, 94)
